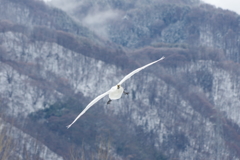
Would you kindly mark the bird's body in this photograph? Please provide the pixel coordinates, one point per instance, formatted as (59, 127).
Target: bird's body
(115, 92)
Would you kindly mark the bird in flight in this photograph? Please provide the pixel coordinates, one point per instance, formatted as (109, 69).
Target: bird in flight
(115, 92)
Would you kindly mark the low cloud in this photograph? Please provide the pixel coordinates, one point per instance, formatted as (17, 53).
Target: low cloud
(66, 5)
(98, 20)
(100, 17)
(95, 17)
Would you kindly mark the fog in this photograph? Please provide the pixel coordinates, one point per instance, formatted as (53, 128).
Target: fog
(97, 20)
(94, 17)
(64, 5)
(232, 5)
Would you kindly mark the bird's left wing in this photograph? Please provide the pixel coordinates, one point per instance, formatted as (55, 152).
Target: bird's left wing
(137, 70)
(88, 106)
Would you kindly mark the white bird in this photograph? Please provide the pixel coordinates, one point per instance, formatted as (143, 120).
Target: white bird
(114, 93)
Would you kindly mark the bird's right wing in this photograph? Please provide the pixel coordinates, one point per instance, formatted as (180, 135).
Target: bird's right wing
(88, 106)
(137, 70)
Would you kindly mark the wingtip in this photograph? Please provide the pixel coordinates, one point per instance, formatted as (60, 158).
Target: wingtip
(160, 59)
(68, 126)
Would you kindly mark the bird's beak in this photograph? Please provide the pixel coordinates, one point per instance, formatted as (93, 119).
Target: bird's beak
(118, 86)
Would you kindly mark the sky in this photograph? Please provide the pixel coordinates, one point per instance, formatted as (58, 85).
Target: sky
(233, 5)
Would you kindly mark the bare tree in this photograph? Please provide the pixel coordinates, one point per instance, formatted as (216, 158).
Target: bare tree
(6, 143)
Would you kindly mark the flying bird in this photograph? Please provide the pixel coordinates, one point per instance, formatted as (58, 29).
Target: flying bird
(115, 92)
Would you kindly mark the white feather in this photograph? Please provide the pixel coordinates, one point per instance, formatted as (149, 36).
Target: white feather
(88, 106)
(137, 70)
(114, 92)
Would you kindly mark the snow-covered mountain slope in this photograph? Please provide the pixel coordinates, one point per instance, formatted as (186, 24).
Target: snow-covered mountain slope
(185, 107)
(156, 105)
(19, 145)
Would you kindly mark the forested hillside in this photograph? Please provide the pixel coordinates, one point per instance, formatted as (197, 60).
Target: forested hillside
(56, 57)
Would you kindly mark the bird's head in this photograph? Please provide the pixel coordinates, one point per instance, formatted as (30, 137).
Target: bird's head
(118, 86)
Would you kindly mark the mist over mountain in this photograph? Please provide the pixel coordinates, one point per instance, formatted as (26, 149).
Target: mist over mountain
(57, 56)
(129, 23)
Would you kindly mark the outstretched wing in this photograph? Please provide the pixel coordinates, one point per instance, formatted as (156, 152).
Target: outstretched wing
(88, 106)
(137, 70)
